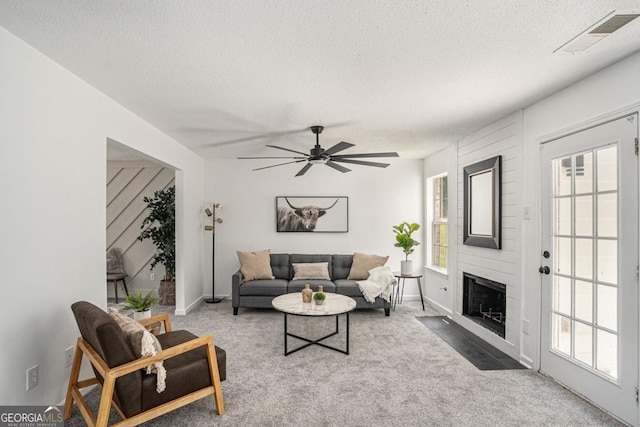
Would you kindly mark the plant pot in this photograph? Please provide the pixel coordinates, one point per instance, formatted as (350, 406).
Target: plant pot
(167, 292)
(406, 267)
(319, 301)
(139, 315)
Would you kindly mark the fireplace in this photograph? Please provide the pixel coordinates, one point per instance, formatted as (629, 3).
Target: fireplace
(485, 302)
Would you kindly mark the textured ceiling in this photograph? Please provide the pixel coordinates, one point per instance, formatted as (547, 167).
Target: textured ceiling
(224, 78)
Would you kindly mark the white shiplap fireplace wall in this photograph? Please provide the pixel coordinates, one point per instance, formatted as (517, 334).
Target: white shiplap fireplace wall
(503, 138)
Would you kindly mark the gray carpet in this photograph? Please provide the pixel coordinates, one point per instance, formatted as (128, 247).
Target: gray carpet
(399, 373)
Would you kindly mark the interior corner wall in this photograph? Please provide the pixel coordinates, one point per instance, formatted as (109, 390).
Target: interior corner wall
(378, 199)
(502, 138)
(53, 221)
(439, 288)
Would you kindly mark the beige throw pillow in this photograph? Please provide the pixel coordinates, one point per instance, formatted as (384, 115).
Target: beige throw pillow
(255, 265)
(311, 270)
(362, 263)
(143, 343)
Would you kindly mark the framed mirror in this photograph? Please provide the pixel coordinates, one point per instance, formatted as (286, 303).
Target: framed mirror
(483, 203)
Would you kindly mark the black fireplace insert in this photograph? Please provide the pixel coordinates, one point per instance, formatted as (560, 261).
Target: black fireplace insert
(485, 302)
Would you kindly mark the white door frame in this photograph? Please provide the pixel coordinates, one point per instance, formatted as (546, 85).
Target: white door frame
(536, 321)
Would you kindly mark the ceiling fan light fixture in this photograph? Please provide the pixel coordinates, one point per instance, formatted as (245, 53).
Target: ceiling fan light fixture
(329, 157)
(319, 161)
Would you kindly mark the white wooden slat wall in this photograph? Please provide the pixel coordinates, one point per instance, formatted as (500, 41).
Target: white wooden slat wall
(503, 138)
(128, 182)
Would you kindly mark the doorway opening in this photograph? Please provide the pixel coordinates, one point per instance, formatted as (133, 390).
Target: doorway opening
(131, 176)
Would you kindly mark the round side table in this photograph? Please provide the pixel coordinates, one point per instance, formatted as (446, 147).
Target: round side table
(398, 294)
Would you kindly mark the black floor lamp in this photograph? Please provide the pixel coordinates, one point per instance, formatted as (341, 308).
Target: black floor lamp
(212, 228)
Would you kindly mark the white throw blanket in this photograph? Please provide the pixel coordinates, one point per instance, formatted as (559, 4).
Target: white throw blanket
(157, 368)
(378, 284)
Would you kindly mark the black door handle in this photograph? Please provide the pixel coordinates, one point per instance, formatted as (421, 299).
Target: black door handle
(544, 270)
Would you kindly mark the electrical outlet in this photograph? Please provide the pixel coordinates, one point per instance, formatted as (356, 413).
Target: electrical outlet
(33, 377)
(152, 276)
(68, 357)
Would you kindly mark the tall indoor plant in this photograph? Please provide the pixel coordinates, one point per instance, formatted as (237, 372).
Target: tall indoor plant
(407, 243)
(160, 227)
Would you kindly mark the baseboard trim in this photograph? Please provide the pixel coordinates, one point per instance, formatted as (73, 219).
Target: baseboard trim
(440, 307)
(526, 361)
(190, 307)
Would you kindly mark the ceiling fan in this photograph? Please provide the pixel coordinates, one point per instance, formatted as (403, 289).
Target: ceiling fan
(320, 156)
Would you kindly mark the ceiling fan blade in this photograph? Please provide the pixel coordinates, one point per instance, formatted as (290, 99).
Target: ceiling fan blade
(287, 149)
(337, 167)
(360, 162)
(338, 147)
(279, 164)
(304, 169)
(355, 156)
(293, 157)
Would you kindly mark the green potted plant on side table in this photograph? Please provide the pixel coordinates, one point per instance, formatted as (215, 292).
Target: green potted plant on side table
(140, 305)
(407, 243)
(160, 227)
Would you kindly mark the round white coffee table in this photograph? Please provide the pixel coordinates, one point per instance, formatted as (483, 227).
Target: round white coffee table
(334, 305)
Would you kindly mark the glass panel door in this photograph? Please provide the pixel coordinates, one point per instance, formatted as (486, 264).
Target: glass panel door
(589, 297)
(585, 235)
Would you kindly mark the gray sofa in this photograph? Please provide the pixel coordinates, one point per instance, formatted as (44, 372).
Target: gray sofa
(259, 293)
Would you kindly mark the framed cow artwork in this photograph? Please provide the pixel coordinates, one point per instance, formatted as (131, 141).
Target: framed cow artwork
(312, 214)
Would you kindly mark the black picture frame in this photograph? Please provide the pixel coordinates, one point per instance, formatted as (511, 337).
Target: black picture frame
(312, 214)
(483, 204)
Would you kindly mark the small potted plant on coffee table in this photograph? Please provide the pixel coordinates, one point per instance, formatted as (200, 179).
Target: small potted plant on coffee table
(319, 297)
(140, 305)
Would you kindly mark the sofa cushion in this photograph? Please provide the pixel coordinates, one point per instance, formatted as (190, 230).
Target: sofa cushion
(362, 263)
(272, 287)
(349, 288)
(311, 270)
(280, 266)
(173, 338)
(255, 265)
(186, 372)
(298, 285)
(341, 266)
(309, 258)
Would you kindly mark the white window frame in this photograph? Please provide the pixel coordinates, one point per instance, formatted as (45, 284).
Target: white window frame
(429, 227)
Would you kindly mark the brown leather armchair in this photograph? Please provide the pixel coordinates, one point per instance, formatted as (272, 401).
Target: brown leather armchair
(194, 368)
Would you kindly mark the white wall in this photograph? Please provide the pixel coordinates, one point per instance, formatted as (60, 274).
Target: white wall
(439, 289)
(52, 217)
(378, 199)
(502, 138)
(597, 98)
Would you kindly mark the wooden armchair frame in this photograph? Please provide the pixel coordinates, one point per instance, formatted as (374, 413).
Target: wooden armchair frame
(83, 348)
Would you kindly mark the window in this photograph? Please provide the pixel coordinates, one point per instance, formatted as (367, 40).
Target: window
(437, 217)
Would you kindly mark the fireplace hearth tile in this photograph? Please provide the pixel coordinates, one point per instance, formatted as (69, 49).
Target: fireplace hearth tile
(481, 354)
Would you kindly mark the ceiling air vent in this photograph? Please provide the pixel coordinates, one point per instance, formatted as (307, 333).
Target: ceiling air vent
(601, 29)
